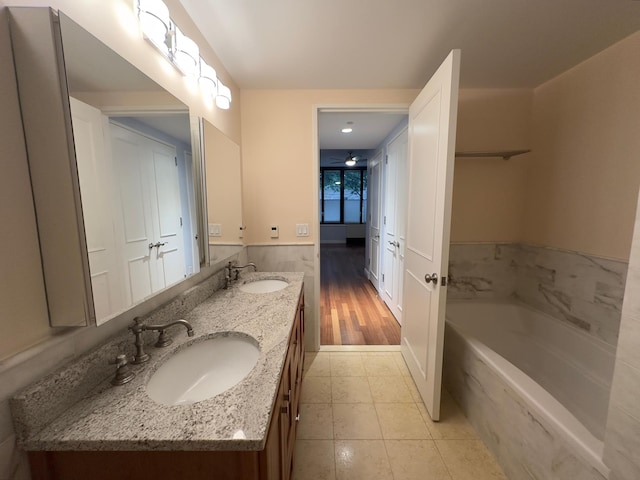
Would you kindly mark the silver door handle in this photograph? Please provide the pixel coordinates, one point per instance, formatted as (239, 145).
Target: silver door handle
(395, 244)
(431, 278)
(158, 244)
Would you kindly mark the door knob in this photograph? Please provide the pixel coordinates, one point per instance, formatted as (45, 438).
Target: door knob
(431, 278)
(395, 244)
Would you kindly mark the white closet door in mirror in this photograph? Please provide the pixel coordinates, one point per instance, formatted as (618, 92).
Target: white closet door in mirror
(95, 174)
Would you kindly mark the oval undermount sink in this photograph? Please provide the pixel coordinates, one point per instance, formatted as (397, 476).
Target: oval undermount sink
(203, 370)
(264, 286)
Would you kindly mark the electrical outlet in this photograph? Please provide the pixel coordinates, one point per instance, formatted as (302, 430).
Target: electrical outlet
(275, 232)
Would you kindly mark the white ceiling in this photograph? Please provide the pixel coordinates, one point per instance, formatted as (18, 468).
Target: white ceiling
(400, 43)
(369, 129)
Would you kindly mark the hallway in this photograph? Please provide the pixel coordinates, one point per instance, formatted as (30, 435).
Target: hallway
(361, 417)
(351, 312)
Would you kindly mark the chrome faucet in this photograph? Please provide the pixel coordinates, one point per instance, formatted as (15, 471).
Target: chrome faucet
(232, 268)
(163, 340)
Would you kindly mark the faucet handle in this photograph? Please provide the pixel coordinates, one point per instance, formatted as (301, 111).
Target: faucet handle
(124, 374)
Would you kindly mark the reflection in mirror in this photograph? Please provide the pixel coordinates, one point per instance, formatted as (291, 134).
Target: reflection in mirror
(134, 157)
(224, 194)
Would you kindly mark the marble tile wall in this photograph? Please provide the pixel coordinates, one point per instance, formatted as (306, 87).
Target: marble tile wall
(622, 436)
(582, 290)
(291, 258)
(524, 444)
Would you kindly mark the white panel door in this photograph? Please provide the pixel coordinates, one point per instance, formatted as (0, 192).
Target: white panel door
(167, 211)
(131, 171)
(373, 186)
(395, 219)
(432, 121)
(94, 170)
(390, 251)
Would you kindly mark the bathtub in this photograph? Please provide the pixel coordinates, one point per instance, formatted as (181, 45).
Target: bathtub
(537, 390)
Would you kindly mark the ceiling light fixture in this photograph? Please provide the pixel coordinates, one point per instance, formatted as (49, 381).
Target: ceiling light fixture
(155, 23)
(350, 162)
(347, 130)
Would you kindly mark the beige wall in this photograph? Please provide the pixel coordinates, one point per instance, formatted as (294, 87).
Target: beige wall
(279, 173)
(583, 182)
(489, 193)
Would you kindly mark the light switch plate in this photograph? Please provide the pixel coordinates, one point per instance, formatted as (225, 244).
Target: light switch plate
(302, 229)
(215, 230)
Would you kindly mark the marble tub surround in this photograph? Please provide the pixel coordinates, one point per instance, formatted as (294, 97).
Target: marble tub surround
(77, 408)
(580, 289)
(525, 443)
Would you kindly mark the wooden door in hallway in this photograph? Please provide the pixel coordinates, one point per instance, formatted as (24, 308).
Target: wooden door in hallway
(351, 311)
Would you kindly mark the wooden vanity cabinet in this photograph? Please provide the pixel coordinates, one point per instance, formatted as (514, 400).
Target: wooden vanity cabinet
(274, 462)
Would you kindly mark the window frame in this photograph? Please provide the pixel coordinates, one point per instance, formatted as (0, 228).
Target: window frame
(342, 170)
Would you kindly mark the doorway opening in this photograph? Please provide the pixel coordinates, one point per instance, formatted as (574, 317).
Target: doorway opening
(359, 204)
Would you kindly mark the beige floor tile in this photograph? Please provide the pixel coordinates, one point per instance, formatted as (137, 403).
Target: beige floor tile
(401, 421)
(404, 370)
(350, 390)
(379, 354)
(317, 365)
(413, 390)
(416, 460)
(355, 421)
(390, 390)
(314, 460)
(347, 366)
(453, 424)
(380, 366)
(316, 390)
(316, 422)
(362, 460)
(469, 460)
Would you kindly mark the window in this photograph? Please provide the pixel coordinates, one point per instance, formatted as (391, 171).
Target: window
(343, 195)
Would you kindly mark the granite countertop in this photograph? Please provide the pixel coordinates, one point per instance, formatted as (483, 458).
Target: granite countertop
(121, 418)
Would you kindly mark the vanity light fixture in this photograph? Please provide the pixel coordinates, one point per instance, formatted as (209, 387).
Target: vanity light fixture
(155, 23)
(157, 27)
(185, 53)
(208, 80)
(347, 130)
(223, 99)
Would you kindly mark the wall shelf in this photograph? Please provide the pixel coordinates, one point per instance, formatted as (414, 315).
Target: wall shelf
(506, 154)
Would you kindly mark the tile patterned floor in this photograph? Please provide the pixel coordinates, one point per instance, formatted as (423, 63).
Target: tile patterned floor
(362, 418)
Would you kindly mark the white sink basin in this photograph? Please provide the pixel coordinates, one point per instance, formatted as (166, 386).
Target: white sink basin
(264, 286)
(203, 370)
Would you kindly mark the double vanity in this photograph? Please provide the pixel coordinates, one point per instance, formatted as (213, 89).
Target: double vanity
(221, 404)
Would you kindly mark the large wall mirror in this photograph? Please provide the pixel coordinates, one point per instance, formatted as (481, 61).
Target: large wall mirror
(116, 170)
(224, 194)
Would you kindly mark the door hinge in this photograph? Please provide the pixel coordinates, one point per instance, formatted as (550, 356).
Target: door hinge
(386, 159)
(383, 277)
(385, 220)
(176, 160)
(369, 261)
(180, 221)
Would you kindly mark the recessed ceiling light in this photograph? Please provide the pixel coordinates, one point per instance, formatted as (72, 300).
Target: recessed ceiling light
(347, 130)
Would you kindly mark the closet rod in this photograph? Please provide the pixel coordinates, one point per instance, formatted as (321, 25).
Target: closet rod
(506, 155)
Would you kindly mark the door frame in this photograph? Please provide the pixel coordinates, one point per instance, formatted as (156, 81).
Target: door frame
(315, 178)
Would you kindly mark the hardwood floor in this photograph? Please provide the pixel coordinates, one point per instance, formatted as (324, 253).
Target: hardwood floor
(351, 311)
